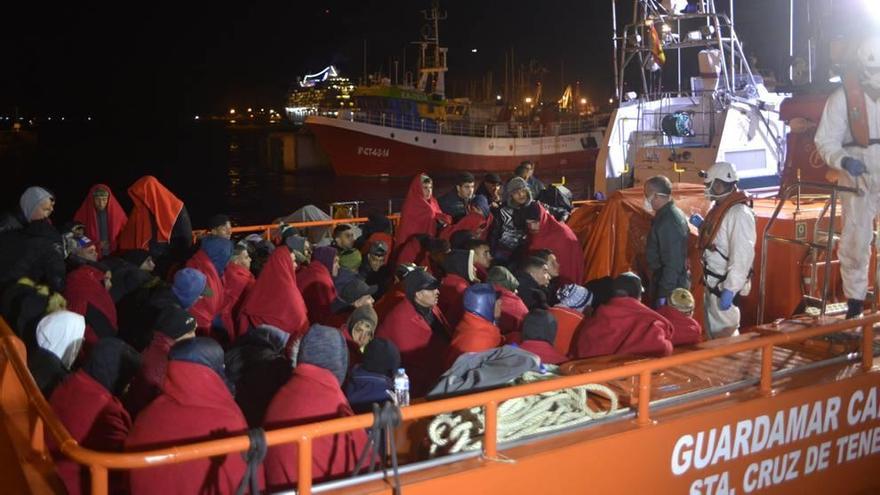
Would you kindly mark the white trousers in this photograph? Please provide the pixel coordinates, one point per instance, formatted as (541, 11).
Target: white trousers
(854, 250)
(720, 323)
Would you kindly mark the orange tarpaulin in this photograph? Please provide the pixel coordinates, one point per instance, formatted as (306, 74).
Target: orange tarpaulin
(614, 234)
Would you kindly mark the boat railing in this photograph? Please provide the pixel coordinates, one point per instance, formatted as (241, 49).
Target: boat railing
(266, 230)
(22, 396)
(475, 128)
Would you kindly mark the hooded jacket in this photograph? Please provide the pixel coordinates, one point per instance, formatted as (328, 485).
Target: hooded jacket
(207, 307)
(37, 252)
(318, 290)
(476, 331)
(509, 228)
(237, 284)
(258, 366)
(686, 330)
(417, 216)
(104, 226)
(86, 294)
(62, 333)
(313, 394)
(147, 384)
(87, 405)
(460, 273)
(371, 381)
(623, 325)
(559, 238)
(195, 405)
(513, 310)
(275, 299)
(540, 334)
(422, 350)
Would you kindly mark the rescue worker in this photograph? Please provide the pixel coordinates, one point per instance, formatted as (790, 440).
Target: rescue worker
(666, 249)
(848, 138)
(727, 241)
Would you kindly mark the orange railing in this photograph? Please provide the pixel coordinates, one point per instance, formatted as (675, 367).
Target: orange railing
(12, 355)
(268, 228)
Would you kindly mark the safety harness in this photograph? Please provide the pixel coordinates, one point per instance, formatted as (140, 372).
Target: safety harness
(857, 112)
(709, 231)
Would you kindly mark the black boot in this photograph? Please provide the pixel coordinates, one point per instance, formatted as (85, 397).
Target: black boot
(854, 308)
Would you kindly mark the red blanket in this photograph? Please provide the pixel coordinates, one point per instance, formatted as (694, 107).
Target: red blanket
(545, 351)
(686, 330)
(88, 215)
(276, 299)
(417, 216)
(623, 326)
(153, 202)
(513, 310)
(207, 307)
(237, 282)
(84, 287)
(317, 289)
(559, 238)
(312, 394)
(567, 321)
(194, 406)
(472, 334)
(452, 289)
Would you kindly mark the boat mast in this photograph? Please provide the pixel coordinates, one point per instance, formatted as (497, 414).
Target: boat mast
(432, 65)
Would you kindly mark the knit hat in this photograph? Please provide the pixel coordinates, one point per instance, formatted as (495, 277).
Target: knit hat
(492, 178)
(539, 325)
(217, 220)
(325, 347)
(355, 290)
(417, 280)
(501, 276)
(136, 256)
(464, 178)
(364, 313)
(574, 296)
(113, 364)
(175, 322)
(515, 184)
(381, 356)
(31, 199)
(297, 246)
(379, 248)
(189, 284)
(682, 300)
(532, 211)
(204, 351)
(481, 203)
(627, 284)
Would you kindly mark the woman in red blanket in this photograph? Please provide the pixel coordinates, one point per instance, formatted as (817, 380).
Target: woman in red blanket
(679, 310)
(546, 232)
(275, 299)
(316, 282)
(237, 283)
(102, 217)
(87, 292)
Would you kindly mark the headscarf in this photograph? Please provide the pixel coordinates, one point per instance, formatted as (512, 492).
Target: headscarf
(202, 350)
(325, 255)
(61, 333)
(325, 347)
(381, 356)
(153, 204)
(30, 199)
(219, 251)
(113, 364)
(88, 215)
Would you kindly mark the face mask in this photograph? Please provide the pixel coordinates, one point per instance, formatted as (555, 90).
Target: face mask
(872, 80)
(647, 204)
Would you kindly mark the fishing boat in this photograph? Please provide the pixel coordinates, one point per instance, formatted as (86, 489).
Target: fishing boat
(398, 126)
(790, 406)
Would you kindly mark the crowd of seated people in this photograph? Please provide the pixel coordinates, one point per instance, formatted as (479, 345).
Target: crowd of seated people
(143, 336)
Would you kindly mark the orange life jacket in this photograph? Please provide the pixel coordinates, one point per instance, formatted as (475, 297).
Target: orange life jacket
(711, 224)
(856, 111)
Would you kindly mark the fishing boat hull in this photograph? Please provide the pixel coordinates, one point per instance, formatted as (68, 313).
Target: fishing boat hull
(364, 149)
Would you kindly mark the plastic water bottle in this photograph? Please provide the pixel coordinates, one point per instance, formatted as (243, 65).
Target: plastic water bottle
(401, 387)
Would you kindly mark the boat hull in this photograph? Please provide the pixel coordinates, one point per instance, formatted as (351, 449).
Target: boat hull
(362, 149)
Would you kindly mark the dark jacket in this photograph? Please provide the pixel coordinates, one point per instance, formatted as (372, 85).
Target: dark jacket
(508, 232)
(666, 251)
(453, 205)
(35, 251)
(258, 366)
(48, 371)
(363, 388)
(528, 289)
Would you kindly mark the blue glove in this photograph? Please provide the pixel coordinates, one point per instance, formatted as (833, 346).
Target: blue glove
(726, 300)
(661, 301)
(696, 220)
(854, 166)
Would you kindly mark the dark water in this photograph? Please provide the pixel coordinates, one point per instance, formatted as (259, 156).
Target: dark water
(211, 169)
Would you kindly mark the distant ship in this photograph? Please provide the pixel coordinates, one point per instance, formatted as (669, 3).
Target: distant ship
(395, 130)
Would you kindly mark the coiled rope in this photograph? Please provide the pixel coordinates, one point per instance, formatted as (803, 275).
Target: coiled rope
(517, 418)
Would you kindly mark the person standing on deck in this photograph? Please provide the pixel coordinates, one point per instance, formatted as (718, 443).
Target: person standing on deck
(102, 218)
(666, 249)
(848, 138)
(727, 241)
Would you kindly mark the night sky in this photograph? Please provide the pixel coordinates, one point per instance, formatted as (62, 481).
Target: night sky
(150, 59)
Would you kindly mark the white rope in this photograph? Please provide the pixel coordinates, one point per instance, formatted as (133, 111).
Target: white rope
(520, 417)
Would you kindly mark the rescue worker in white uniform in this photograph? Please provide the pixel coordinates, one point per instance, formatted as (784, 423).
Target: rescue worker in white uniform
(848, 138)
(727, 241)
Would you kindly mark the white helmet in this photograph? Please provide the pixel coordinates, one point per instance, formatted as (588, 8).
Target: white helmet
(723, 171)
(869, 59)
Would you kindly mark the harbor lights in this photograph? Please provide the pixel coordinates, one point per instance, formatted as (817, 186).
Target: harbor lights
(528, 100)
(231, 111)
(583, 101)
